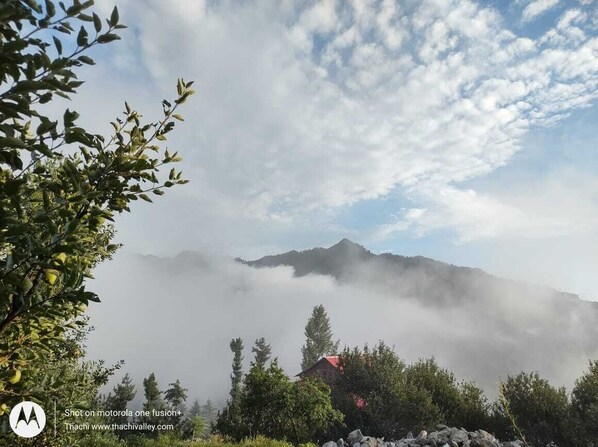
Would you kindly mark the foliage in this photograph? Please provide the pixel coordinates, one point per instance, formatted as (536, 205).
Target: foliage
(273, 406)
(459, 405)
(318, 338)
(236, 346)
(63, 379)
(153, 401)
(373, 393)
(118, 400)
(60, 185)
(176, 395)
(584, 402)
(262, 352)
(530, 404)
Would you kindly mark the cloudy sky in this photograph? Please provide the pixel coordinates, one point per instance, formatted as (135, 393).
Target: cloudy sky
(461, 130)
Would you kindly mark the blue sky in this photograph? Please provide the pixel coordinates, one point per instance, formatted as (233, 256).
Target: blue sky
(460, 130)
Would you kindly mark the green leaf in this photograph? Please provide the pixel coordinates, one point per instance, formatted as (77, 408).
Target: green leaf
(145, 197)
(86, 60)
(114, 17)
(106, 38)
(50, 9)
(12, 142)
(82, 37)
(58, 44)
(97, 23)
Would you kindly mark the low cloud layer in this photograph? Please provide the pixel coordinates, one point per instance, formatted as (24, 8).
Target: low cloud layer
(177, 317)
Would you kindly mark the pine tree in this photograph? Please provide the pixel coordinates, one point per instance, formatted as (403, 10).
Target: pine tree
(236, 345)
(262, 352)
(209, 412)
(318, 338)
(124, 393)
(153, 401)
(151, 390)
(195, 410)
(176, 395)
(229, 420)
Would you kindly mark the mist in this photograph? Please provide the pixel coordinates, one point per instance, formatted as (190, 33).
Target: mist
(176, 316)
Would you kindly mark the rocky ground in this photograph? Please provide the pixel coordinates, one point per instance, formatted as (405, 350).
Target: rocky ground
(443, 437)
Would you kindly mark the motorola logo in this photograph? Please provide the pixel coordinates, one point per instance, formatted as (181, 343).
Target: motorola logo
(27, 419)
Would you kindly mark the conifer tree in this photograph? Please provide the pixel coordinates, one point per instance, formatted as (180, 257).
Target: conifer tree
(153, 401)
(236, 345)
(122, 394)
(195, 410)
(318, 334)
(262, 352)
(208, 411)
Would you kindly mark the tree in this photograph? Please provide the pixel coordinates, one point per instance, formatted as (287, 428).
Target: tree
(262, 352)
(195, 409)
(176, 396)
(60, 185)
(318, 334)
(208, 412)
(374, 394)
(530, 406)
(584, 402)
(458, 404)
(193, 426)
(152, 393)
(275, 407)
(70, 382)
(153, 401)
(229, 420)
(118, 400)
(236, 346)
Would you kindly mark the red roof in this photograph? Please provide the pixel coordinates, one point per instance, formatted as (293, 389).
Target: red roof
(333, 360)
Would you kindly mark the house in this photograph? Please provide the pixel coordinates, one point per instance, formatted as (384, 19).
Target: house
(326, 369)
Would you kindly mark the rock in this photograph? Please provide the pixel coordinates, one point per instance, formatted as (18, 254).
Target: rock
(458, 436)
(329, 444)
(340, 443)
(422, 435)
(434, 437)
(409, 436)
(485, 435)
(368, 441)
(354, 437)
(483, 443)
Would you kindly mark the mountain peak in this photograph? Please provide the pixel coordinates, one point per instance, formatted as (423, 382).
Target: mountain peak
(347, 244)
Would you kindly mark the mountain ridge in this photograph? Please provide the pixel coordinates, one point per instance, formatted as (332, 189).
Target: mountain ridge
(344, 258)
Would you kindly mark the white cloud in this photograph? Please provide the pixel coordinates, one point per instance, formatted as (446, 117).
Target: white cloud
(305, 109)
(537, 7)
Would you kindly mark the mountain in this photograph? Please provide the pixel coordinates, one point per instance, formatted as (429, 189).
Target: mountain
(481, 326)
(427, 280)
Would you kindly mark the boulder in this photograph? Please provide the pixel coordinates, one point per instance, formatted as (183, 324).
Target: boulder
(483, 443)
(458, 436)
(355, 437)
(329, 444)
